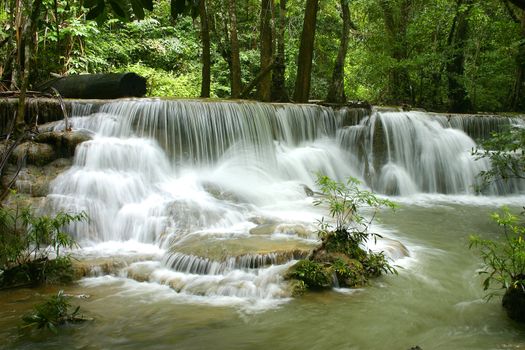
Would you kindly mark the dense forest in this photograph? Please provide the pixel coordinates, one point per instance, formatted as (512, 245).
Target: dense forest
(443, 55)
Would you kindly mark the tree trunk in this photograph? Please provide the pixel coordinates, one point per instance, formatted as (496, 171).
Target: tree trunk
(26, 42)
(336, 91)
(279, 92)
(265, 84)
(517, 97)
(206, 56)
(459, 101)
(306, 52)
(519, 3)
(396, 22)
(236, 62)
(99, 86)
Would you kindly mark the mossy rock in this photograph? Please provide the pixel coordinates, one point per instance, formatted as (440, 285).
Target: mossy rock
(34, 153)
(514, 303)
(36, 272)
(350, 273)
(63, 142)
(297, 288)
(315, 276)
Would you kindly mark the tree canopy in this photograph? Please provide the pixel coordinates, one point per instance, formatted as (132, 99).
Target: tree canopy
(444, 55)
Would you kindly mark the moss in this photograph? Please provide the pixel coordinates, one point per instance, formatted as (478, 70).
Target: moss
(313, 274)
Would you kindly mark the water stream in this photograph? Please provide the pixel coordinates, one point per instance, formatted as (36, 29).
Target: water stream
(197, 209)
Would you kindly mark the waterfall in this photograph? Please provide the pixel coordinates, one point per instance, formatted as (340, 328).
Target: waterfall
(223, 189)
(404, 153)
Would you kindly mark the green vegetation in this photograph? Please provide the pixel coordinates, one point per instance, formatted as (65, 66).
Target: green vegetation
(31, 247)
(455, 55)
(506, 152)
(504, 257)
(54, 312)
(342, 254)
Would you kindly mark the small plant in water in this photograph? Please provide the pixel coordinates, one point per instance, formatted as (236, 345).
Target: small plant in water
(341, 257)
(54, 312)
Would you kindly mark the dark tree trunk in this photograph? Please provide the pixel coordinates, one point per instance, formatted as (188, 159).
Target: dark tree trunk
(306, 52)
(519, 3)
(100, 86)
(459, 101)
(396, 22)
(336, 91)
(236, 84)
(265, 84)
(279, 92)
(206, 57)
(26, 42)
(517, 97)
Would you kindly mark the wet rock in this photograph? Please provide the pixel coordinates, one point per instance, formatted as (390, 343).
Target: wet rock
(219, 193)
(294, 230)
(308, 191)
(296, 288)
(34, 153)
(64, 142)
(264, 229)
(262, 220)
(514, 303)
(34, 180)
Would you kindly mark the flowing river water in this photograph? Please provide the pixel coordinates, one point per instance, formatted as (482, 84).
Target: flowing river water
(198, 208)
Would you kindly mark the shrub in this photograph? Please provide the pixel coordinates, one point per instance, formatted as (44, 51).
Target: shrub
(28, 241)
(341, 252)
(504, 259)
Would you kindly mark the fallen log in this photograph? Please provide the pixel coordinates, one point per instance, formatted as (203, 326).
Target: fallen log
(99, 86)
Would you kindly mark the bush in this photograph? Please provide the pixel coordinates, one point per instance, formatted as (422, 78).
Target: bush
(504, 260)
(341, 252)
(28, 241)
(167, 84)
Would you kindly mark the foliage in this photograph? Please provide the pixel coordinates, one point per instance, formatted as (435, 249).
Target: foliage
(312, 273)
(28, 242)
(402, 41)
(52, 313)
(345, 204)
(341, 253)
(506, 152)
(161, 83)
(504, 259)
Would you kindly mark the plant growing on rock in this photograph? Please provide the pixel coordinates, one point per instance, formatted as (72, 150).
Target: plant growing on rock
(505, 263)
(28, 242)
(504, 258)
(342, 253)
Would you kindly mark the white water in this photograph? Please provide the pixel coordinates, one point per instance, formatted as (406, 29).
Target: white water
(186, 181)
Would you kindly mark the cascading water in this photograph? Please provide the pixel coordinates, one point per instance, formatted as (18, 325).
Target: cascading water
(221, 189)
(404, 153)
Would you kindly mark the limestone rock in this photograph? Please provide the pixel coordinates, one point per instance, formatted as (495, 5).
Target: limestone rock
(34, 153)
(64, 142)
